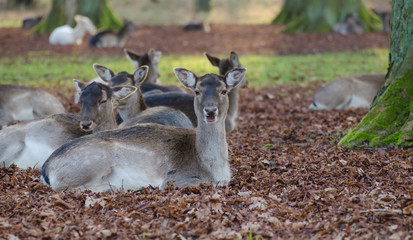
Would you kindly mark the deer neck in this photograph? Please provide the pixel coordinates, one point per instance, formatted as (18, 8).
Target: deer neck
(212, 149)
(123, 33)
(135, 105)
(79, 31)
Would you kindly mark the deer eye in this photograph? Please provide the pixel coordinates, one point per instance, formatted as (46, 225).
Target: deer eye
(103, 101)
(224, 92)
(197, 92)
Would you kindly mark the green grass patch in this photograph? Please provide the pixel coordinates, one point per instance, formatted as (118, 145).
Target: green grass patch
(41, 68)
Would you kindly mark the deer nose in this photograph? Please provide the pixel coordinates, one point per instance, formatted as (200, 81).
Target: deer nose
(86, 125)
(211, 111)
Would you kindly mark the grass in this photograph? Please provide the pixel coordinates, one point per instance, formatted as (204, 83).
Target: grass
(41, 69)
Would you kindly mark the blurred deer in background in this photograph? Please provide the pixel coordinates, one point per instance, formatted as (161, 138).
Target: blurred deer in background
(348, 92)
(66, 35)
(109, 38)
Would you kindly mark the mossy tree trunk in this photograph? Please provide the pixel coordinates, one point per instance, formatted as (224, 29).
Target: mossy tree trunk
(317, 16)
(63, 11)
(390, 118)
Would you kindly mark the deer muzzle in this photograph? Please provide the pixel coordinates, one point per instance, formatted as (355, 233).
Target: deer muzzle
(87, 125)
(210, 113)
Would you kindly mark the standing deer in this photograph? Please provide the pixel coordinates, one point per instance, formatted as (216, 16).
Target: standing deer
(29, 144)
(347, 92)
(18, 103)
(152, 154)
(132, 108)
(109, 38)
(184, 101)
(66, 35)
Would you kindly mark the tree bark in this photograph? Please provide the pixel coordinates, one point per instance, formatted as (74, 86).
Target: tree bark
(389, 121)
(63, 12)
(319, 16)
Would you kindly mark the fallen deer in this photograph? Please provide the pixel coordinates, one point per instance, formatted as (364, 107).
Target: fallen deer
(66, 35)
(151, 59)
(184, 101)
(132, 108)
(347, 92)
(19, 103)
(152, 154)
(109, 38)
(29, 144)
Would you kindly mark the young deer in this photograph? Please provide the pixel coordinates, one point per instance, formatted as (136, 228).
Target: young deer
(66, 35)
(18, 103)
(184, 101)
(108, 38)
(29, 144)
(152, 154)
(151, 59)
(347, 92)
(132, 108)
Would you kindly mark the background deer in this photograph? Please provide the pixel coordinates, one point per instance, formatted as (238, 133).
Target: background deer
(18, 103)
(109, 38)
(29, 144)
(133, 108)
(347, 92)
(152, 154)
(66, 35)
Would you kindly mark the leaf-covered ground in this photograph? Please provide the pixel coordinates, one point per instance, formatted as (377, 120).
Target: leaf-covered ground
(289, 179)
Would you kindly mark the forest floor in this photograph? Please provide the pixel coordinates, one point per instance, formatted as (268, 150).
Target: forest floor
(289, 177)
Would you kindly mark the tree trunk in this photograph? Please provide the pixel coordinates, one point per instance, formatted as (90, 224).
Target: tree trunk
(63, 11)
(319, 16)
(390, 118)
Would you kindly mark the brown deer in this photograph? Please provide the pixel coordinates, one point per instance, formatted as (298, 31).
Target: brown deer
(132, 108)
(153, 154)
(151, 59)
(184, 101)
(29, 144)
(19, 103)
(348, 92)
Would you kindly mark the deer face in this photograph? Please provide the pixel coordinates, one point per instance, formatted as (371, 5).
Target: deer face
(151, 59)
(211, 92)
(96, 105)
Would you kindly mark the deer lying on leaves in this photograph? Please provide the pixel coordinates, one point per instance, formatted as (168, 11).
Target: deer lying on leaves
(153, 154)
(29, 144)
(109, 38)
(348, 92)
(19, 103)
(132, 108)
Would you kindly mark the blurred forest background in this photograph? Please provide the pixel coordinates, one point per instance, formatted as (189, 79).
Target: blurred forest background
(171, 12)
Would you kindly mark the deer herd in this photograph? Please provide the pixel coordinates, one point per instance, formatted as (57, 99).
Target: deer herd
(132, 131)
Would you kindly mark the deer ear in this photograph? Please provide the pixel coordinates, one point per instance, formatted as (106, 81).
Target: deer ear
(213, 60)
(140, 75)
(187, 78)
(234, 77)
(104, 73)
(131, 56)
(79, 88)
(155, 56)
(123, 92)
(234, 59)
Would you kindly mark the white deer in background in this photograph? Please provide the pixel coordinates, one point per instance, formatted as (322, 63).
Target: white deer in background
(66, 35)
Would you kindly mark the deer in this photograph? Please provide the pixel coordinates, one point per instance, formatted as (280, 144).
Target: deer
(184, 101)
(152, 154)
(151, 59)
(20, 103)
(132, 108)
(108, 38)
(66, 35)
(348, 92)
(29, 144)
